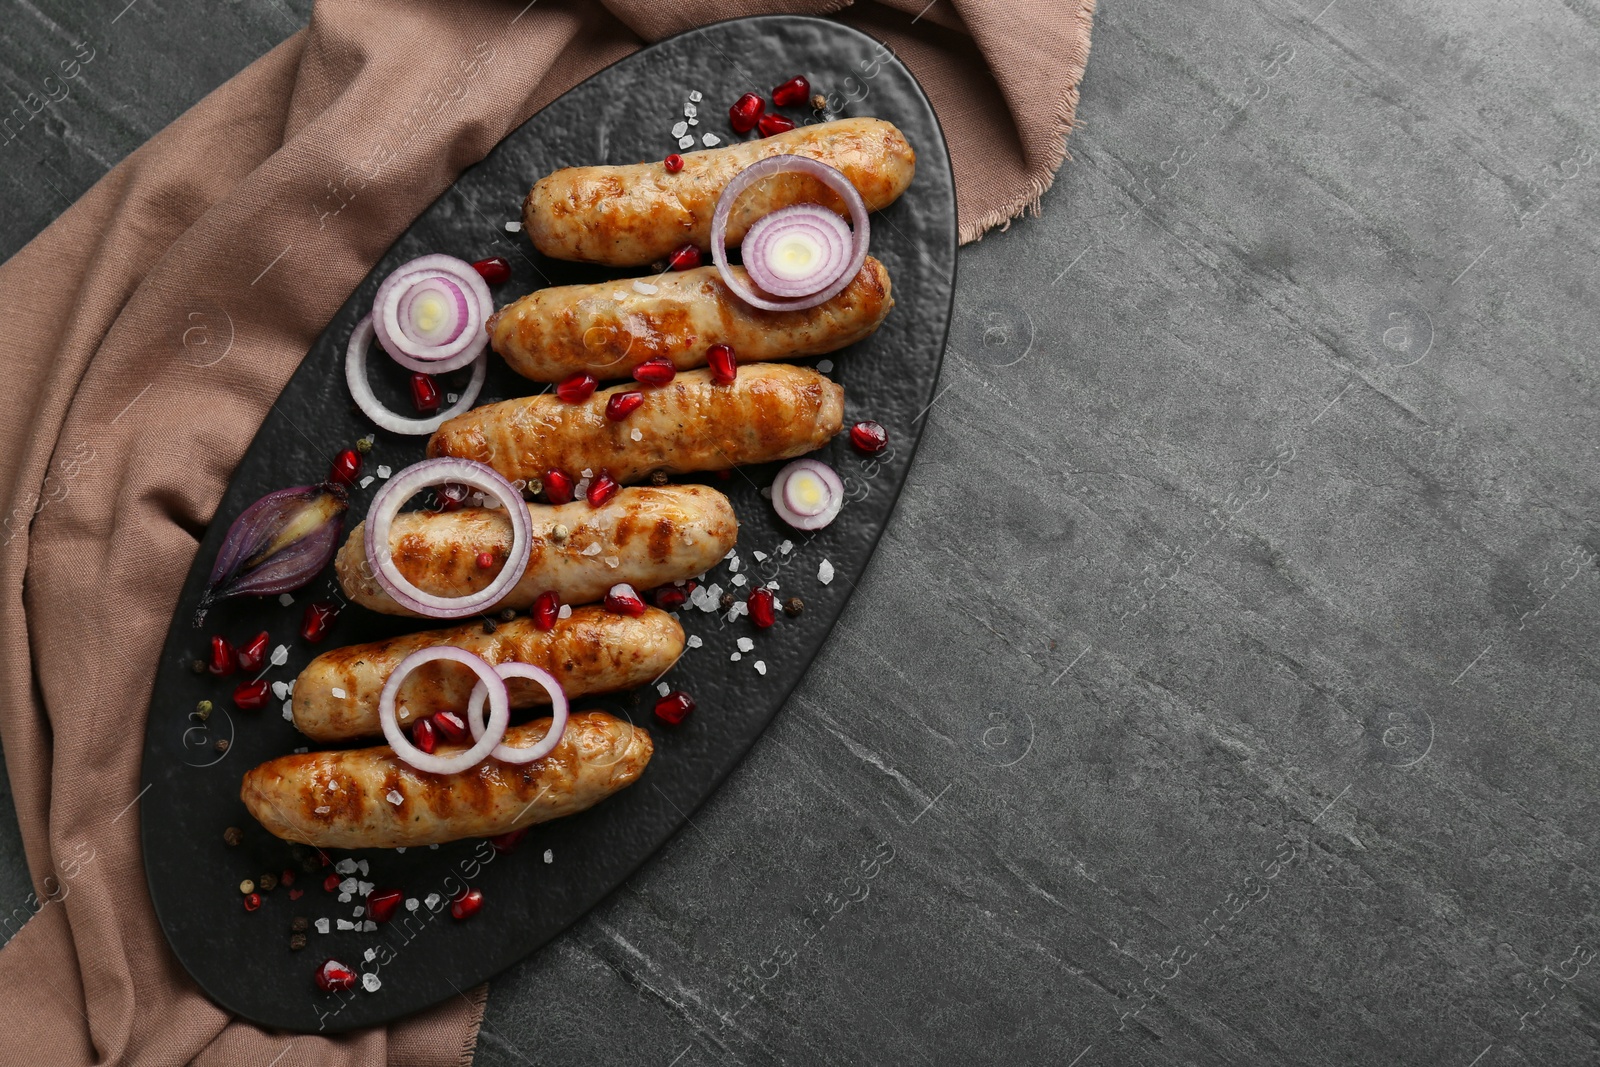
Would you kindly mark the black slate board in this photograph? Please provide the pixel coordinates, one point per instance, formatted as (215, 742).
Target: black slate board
(622, 115)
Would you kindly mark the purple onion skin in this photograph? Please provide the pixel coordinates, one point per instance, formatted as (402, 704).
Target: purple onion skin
(263, 555)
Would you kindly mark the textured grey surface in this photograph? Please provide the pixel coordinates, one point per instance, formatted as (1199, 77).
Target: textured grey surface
(1223, 686)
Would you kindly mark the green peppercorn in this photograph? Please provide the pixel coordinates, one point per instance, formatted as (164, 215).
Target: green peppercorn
(364, 445)
(297, 942)
(233, 835)
(203, 709)
(268, 882)
(793, 606)
(534, 487)
(300, 924)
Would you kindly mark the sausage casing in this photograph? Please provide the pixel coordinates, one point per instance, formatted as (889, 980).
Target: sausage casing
(344, 799)
(593, 651)
(630, 216)
(771, 411)
(645, 536)
(609, 328)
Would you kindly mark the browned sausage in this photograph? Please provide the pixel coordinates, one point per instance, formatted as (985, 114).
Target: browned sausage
(347, 799)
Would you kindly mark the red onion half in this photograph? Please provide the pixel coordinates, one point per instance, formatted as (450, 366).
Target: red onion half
(487, 739)
(430, 314)
(386, 505)
(807, 494)
(819, 289)
(558, 713)
(355, 376)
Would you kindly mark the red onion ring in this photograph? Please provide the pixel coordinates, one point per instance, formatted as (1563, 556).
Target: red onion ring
(799, 514)
(386, 505)
(487, 739)
(827, 231)
(783, 165)
(414, 353)
(455, 301)
(355, 376)
(558, 713)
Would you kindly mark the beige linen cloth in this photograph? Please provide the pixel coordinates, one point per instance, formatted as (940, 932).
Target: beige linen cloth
(120, 438)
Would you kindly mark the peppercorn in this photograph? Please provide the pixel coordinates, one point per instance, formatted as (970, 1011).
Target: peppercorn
(534, 487)
(559, 533)
(247, 887)
(659, 266)
(489, 627)
(658, 477)
(198, 666)
(203, 709)
(726, 601)
(364, 445)
(221, 745)
(300, 924)
(819, 101)
(508, 614)
(233, 835)
(793, 606)
(297, 942)
(268, 882)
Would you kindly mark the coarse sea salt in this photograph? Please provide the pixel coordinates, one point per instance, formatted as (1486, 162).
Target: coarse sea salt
(565, 612)
(710, 140)
(760, 556)
(642, 286)
(680, 128)
(686, 141)
(825, 366)
(322, 926)
(637, 434)
(366, 481)
(549, 856)
(694, 641)
(513, 227)
(393, 796)
(285, 599)
(745, 644)
(761, 666)
(280, 655)
(322, 809)
(384, 471)
(288, 711)
(280, 690)
(694, 95)
(663, 688)
(369, 980)
(736, 657)
(690, 110)
(786, 548)
(338, 694)
(344, 924)
(432, 901)
(738, 579)
(412, 903)
(825, 572)
(593, 550)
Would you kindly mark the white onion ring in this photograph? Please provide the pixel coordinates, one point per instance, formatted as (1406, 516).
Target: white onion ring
(780, 165)
(386, 505)
(355, 375)
(418, 356)
(801, 519)
(487, 739)
(827, 230)
(558, 713)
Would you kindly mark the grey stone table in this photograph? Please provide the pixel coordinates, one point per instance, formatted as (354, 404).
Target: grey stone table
(1223, 691)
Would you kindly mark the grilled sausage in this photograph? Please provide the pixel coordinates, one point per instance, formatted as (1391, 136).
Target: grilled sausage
(593, 651)
(644, 536)
(609, 328)
(630, 216)
(771, 411)
(343, 799)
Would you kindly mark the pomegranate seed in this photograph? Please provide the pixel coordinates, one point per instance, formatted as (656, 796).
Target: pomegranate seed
(495, 270)
(424, 393)
(451, 496)
(450, 726)
(335, 977)
(252, 901)
(251, 696)
(673, 163)
(761, 608)
(296, 894)
(223, 661)
(424, 736)
(383, 903)
(467, 904)
(318, 617)
(771, 124)
(685, 258)
(346, 465)
(576, 388)
(253, 655)
(485, 560)
(621, 405)
(869, 437)
(622, 600)
(674, 707)
(287, 877)
(724, 367)
(746, 112)
(546, 610)
(657, 371)
(507, 842)
(330, 884)
(670, 597)
(602, 489)
(794, 91)
(558, 487)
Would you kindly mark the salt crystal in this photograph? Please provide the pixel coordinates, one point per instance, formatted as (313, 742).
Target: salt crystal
(394, 797)
(369, 980)
(322, 926)
(642, 286)
(739, 608)
(612, 561)
(346, 885)
(732, 552)
(363, 888)
(288, 711)
(452, 397)
(738, 579)
(637, 434)
(285, 599)
(513, 227)
(586, 473)
(384, 471)
(694, 94)
(565, 612)
(361, 865)
(344, 898)
(760, 556)
(333, 787)
(432, 901)
(280, 655)
(745, 644)
(686, 141)
(593, 550)
(370, 955)
(773, 585)
(694, 122)
(825, 572)
(338, 693)
(344, 924)
(786, 548)
(710, 140)
(690, 110)
(680, 129)
(434, 847)
(737, 656)
(412, 903)
(358, 911)
(733, 564)
(761, 666)
(766, 491)
(368, 926)
(694, 641)
(291, 685)
(549, 857)
(280, 690)
(825, 366)
(323, 809)
(301, 751)
(663, 688)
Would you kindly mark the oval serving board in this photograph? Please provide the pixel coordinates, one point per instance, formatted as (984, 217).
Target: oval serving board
(624, 114)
